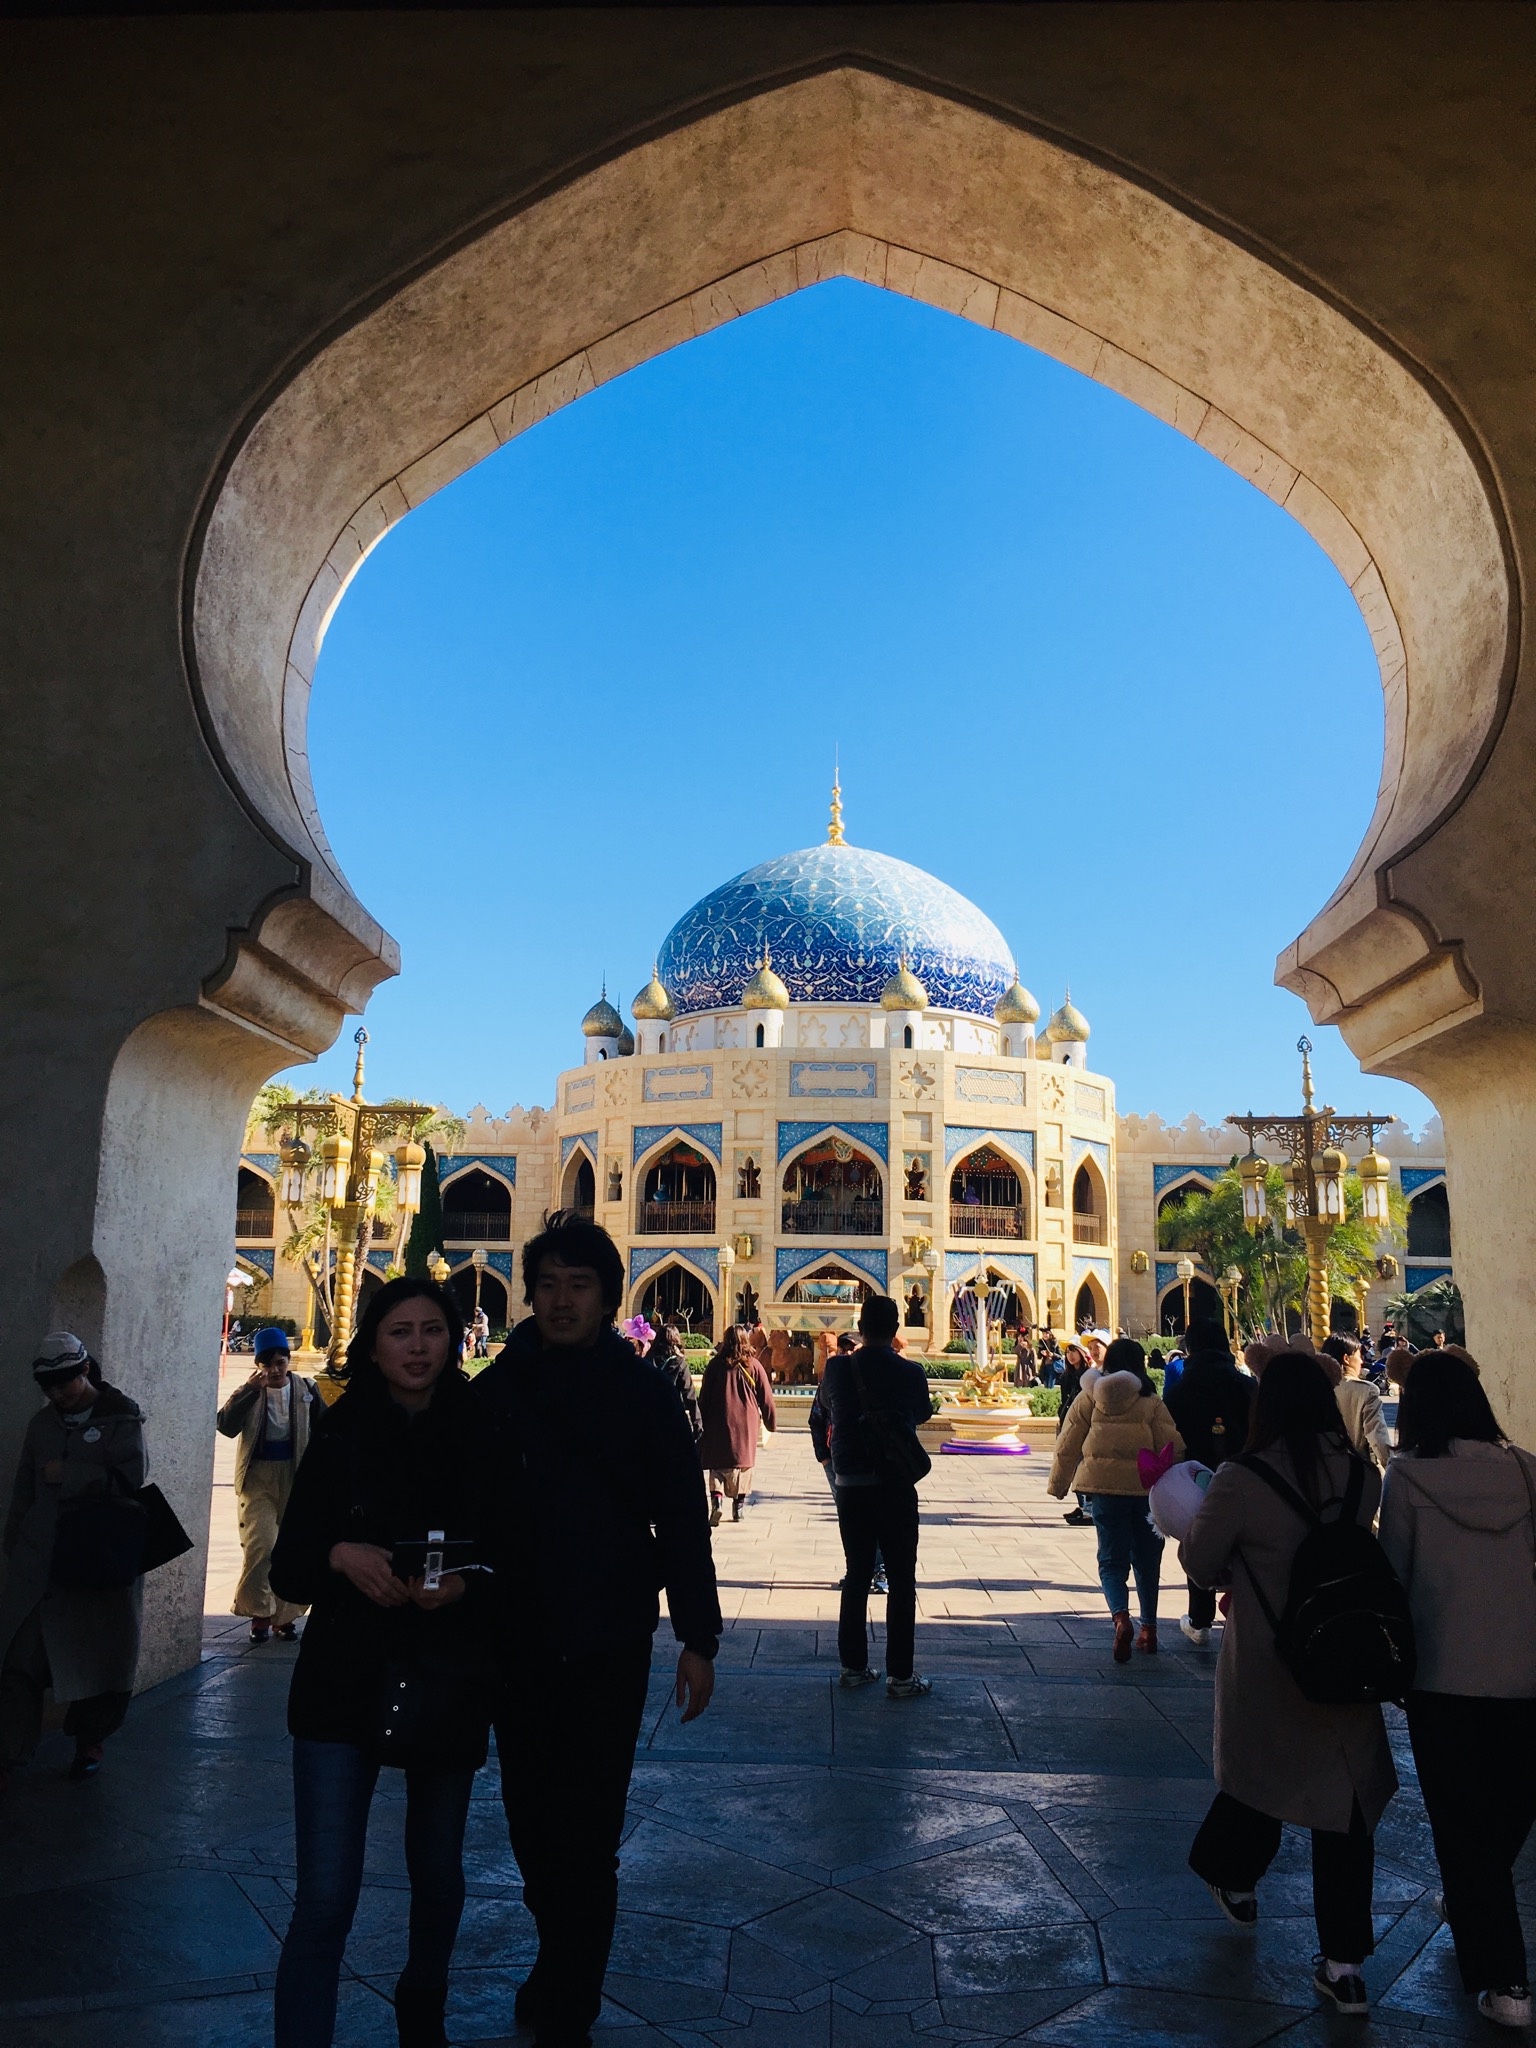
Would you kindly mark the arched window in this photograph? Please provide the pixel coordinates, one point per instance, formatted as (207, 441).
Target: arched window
(749, 1181)
(1090, 1208)
(578, 1186)
(833, 1190)
(681, 1295)
(678, 1196)
(255, 1214)
(906, 1037)
(661, 1041)
(760, 1034)
(477, 1209)
(831, 1286)
(1091, 1309)
(493, 1298)
(1176, 1197)
(986, 1197)
(1429, 1223)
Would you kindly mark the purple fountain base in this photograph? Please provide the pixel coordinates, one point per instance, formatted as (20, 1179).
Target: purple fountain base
(957, 1450)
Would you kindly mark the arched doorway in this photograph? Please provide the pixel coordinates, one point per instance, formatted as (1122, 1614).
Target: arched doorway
(986, 1197)
(831, 1283)
(1429, 1223)
(1204, 1307)
(493, 1297)
(677, 1292)
(833, 1189)
(677, 1193)
(578, 1185)
(477, 1208)
(255, 1205)
(1090, 1310)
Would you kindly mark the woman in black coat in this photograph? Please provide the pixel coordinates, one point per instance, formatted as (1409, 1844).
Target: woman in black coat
(389, 1669)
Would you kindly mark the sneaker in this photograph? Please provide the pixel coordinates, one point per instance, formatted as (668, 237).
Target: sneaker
(1241, 1908)
(87, 1762)
(260, 1630)
(852, 1680)
(1200, 1637)
(287, 1632)
(1510, 2007)
(878, 1583)
(913, 1688)
(1347, 1992)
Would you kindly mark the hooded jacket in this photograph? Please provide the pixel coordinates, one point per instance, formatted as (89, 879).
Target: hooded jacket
(1459, 1532)
(1210, 1403)
(1109, 1422)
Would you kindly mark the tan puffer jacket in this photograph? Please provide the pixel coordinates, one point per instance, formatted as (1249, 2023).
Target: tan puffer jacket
(1109, 1422)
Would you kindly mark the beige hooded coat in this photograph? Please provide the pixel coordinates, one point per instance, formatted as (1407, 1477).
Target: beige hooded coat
(1109, 1422)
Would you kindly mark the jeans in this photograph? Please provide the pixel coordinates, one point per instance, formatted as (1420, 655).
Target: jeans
(1127, 1543)
(1236, 1845)
(332, 1791)
(1476, 1760)
(567, 1748)
(878, 1521)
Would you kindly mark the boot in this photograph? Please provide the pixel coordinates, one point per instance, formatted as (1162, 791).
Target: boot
(1123, 1637)
(419, 2014)
(714, 1511)
(1146, 1641)
(736, 1507)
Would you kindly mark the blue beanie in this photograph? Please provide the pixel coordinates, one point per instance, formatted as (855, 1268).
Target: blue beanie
(269, 1340)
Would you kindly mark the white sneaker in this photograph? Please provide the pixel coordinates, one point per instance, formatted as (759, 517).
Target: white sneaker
(1508, 2008)
(913, 1688)
(1200, 1637)
(852, 1680)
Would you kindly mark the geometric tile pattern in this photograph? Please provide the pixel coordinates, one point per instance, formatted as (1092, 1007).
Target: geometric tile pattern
(500, 1165)
(1164, 1176)
(706, 1136)
(1416, 1177)
(832, 1077)
(705, 1261)
(965, 1138)
(790, 1259)
(875, 1137)
(586, 1139)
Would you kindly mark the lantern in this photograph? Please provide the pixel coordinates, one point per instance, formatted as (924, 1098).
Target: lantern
(410, 1158)
(1295, 1198)
(1253, 1172)
(1375, 1178)
(1328, 1170)
(294, 1154)
(335, 1158)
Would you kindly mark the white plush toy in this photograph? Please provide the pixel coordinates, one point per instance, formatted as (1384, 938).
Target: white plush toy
(1174, 1500)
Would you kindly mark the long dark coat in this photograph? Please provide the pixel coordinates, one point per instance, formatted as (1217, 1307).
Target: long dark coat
(733, 1399)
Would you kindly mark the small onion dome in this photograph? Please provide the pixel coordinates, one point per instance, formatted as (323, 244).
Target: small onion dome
(1069, 1026)
(602, 1020)
(626, 1043)
(1016, 1006)
(903, 991)
(653, 1005)
(765, 991)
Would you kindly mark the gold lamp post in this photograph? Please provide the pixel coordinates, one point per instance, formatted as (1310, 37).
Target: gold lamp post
(1231, 1280)
(1184, 1272)
(478, 1259)
(347, 1166)
(1314, 1179)
(439, 1269)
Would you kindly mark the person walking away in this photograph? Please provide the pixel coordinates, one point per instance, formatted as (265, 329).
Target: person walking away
(271, 1415)
(1211, 1404)
(611, 1509)
(735, 1400)
(1117, 1414)
(1457, 1523)
(1281, 1757)
(1359, 1401)
(876, 1400)
(395, 1458)
(86, 1443)
(819, 1422)
(667, 1356)
(1074, 1363)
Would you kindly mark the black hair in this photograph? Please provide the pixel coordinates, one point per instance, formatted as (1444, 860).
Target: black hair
(1295, 1406)
(847, 1341)
(1126, 1355)
(879, 1319)
(574, 1240)
(1443, 1398)
(1206, 1334)
(1340, 1345)
(360, 1358)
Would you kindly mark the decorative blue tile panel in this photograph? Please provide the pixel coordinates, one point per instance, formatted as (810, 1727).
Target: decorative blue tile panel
(267, 1162)
(966, 1137)
(790, 1259)
(704, 1262)
(705, 1136)
(380, 1261)
(1414, 1277)
(580, 1093)
(502, 1164)
(1165, 1176)
(1099, 1268)
(990, 1084)
(568, 1146)
(838, 921)
(678, 1084)
(1417, 1177)
(1166, 1273)
(264, 1261)
(1092, 1148)
(960, 1266)
(875, 1137)
(1020, 1265)
(503, 1263)
(832, 1077)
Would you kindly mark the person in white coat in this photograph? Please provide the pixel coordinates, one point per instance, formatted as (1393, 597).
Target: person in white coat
(1458, 1521)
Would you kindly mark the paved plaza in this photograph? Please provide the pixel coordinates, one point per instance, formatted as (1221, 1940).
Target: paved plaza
(1003, 1861)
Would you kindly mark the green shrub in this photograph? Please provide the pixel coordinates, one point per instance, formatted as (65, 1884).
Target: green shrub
(934, 1404)
(957, 1344)
(695, 1340)
(1045, 1401)
(1156, 1375)
(940, 1369)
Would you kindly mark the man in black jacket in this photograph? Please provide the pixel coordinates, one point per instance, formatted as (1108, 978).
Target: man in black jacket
(876, 1503)
(609, 1507)
(1211, 1402)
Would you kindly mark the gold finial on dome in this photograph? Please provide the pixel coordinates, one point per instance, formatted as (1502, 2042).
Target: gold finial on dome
(835, 829)
(1016, 1005)
(765, 991)
(653, 1005)
(903, 991)
(1068, 1026)
(602, 1020)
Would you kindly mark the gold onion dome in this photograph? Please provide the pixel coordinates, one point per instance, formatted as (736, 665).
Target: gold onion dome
(602, 1020)
(653, 1005)
(626, 1043)
(765, 991)
(1069, 1026)
(903, 991)
(1016, 1006)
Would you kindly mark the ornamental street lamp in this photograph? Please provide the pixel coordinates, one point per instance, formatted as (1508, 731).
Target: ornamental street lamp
(1231, 1280)
(1314, 1180)
(727, 1257)
(439, 1269)
(1185, 1272)
(477, 1259)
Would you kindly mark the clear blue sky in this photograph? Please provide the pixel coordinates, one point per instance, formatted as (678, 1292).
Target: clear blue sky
(1071, 662)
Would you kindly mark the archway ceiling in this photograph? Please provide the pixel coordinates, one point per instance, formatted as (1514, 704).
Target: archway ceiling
(850, 174)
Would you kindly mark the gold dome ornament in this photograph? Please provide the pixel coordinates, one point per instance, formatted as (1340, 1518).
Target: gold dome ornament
(1016, 1005)
(765, 991)
(903, 991)
(1068, 1026)
(653, 1005)
(602, 1020)
(626, 1043)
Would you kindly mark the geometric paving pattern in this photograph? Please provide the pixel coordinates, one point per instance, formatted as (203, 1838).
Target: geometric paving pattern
(804, 1868)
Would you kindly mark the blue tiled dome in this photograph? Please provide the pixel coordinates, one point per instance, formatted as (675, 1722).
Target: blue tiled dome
(838, 922)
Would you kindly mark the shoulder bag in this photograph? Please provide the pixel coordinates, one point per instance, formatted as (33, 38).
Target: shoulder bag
(113, 1537)
(892, 1440)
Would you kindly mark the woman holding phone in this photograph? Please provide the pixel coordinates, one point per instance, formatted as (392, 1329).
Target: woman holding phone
(381, 1540)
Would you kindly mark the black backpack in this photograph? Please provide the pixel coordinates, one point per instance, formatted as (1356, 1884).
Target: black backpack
(1346, 1633)
(889, 1438)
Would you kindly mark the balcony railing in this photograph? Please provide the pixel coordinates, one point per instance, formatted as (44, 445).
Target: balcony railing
(254, 1223)
(676, 1219)
(812, 1218)
(1088, 1229)
(984, 1219)
(477, 1226)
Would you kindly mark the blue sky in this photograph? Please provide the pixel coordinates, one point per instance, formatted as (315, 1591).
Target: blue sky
(1071, 663)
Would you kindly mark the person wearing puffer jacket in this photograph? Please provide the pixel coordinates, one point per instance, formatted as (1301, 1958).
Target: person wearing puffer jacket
(1458, 1521)
(1117, 1414)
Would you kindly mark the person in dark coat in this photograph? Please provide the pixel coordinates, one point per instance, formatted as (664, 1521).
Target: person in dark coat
(609, 1509)
(876, 1507)
(1074, 1363)
(395, 1458)
(1211, 1401)
(666, 1355)
(735, 1399)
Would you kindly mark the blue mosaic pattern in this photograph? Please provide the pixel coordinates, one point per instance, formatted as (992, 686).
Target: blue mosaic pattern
(502, 1164)
(581, 1093)
(1019, 1266)
(568, 1146)
(1417, 1177)
(791, 1259)
(268, 1162)
(379, 1261)
(874, 1137)
(837, 920)
(965, 1138)
(670, 1084)
(498, 1262)
(642, 1258)
(959, 1266)
(1099, 1268)
(1165, 1176)
(832, 1077)
(705, 1136)
(1091, 1148)
(1166, 1274)
(1415, 1277)
(263, 1260)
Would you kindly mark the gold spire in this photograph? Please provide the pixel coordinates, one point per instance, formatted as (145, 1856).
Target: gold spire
(835, 829)
(1304, 1047)
(359, 1039)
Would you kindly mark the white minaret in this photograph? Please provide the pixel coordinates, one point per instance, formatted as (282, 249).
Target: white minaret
(765, 999)
(904, 1001)
(602, 1028)
(1017, 1014)
(1067, 1035)
(652, 1011)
